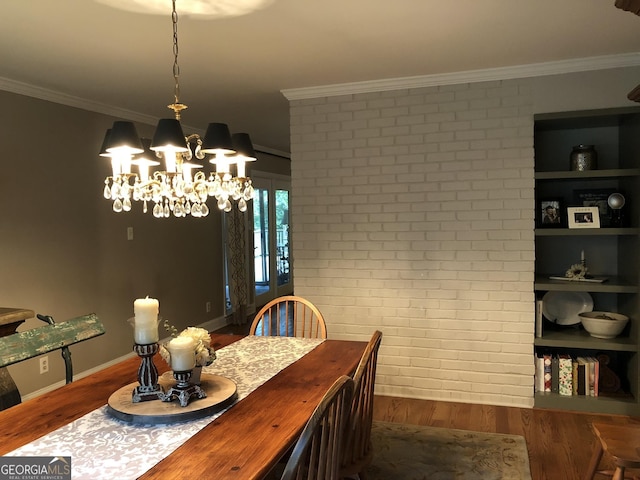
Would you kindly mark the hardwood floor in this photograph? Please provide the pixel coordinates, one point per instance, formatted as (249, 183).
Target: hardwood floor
(559, 443)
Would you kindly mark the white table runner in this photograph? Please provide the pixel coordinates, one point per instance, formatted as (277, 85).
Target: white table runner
(102, 447)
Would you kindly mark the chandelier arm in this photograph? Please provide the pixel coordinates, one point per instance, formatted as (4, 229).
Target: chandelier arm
(126, 176)
(150, 183)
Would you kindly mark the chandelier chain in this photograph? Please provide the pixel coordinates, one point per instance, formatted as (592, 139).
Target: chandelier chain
(176, 67)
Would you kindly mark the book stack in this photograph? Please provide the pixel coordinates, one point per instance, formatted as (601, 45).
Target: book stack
(567, 375)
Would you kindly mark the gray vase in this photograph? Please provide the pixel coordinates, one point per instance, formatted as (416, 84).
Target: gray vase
(583, 157)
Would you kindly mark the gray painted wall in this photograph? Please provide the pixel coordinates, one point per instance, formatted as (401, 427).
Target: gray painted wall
(65, 252)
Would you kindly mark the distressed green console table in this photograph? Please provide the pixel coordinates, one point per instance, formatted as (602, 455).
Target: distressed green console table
(10, 320)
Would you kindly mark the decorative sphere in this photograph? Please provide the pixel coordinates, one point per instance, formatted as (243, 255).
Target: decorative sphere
(616, 201)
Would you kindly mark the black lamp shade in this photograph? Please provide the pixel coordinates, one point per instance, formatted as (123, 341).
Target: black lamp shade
(124, 138)
(217, 139)
(243, 146)
(105, 144)
(169, 136)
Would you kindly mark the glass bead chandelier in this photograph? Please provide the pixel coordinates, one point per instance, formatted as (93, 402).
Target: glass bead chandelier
(178, 188)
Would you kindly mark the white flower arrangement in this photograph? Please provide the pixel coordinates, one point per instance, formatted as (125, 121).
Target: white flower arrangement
(205, 354)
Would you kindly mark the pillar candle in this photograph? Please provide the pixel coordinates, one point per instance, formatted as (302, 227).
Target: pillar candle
(145, 327)
(183, 353)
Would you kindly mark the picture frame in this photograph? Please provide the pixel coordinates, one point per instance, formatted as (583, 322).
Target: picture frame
(583, 217)
(550, 213)
(596, 198)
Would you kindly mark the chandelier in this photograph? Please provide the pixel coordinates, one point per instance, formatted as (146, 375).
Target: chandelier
(178, 187)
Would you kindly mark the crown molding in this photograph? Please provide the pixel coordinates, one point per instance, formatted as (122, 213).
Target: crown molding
(272, 151)
(28, 90)
(71, 101)
(469, 76)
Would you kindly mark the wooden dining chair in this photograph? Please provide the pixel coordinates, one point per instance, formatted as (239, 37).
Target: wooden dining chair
(622, 444)
(289, 316)
(358, 452)
(316, 455)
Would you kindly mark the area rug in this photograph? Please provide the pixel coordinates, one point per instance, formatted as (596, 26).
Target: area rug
(412, 452)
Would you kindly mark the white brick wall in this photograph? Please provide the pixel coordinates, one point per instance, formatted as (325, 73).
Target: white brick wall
(412, 213)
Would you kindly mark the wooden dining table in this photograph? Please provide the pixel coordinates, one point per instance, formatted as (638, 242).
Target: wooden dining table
(243, 443)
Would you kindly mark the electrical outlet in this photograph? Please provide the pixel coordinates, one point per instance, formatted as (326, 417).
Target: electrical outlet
(44, 364)
(208, 307)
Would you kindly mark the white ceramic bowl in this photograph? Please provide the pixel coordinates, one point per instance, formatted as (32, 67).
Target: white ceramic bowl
(603, 324)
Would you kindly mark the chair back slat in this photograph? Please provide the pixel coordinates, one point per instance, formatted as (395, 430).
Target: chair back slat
(358, 452)
(289, 316)
(317, 453)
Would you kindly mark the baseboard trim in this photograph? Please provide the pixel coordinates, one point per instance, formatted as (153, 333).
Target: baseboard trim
(85, 373)
(384, 391)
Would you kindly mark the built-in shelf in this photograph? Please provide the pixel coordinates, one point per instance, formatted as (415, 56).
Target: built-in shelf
(611, 285)
(615, 133)
(584, 232)
(573, 175)
(582, 340)
(620, 405)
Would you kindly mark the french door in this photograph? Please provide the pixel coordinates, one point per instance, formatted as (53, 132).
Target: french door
(271, 244)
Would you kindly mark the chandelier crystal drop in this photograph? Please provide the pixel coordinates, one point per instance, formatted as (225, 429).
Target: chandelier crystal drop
(178, 187)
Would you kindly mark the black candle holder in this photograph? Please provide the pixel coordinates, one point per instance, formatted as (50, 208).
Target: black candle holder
(183, 390)
(149, 389)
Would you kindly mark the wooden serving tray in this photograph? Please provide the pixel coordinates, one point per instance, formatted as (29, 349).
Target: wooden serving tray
(221, 392)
